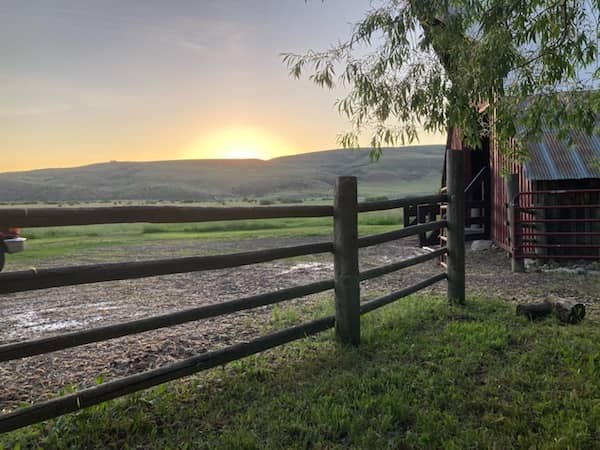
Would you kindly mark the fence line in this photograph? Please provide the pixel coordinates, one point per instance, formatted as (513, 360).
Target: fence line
(382, 238)
(401, 202)
(347, 277)
(386, 300)
(28, 280)
(133, 383)
(384, 270)
(77, 338)
(60, 217)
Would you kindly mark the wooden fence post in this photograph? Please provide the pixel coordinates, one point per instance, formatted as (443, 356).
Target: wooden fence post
(345, 260)
(456, 226)
(512, 200)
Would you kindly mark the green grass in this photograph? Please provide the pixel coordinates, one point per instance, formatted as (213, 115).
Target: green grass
(66, 241)
(427, 375)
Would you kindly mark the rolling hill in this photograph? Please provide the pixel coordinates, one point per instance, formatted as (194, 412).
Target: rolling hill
(400, 171)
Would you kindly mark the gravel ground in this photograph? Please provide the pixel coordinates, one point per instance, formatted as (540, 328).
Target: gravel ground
(45, 313)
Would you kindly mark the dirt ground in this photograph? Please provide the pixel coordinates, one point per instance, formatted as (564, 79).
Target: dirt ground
(44, 313)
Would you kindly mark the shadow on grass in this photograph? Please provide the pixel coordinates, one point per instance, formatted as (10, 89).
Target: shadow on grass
(427, 375)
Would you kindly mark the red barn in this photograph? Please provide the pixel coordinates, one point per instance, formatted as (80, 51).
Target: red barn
(557, 205)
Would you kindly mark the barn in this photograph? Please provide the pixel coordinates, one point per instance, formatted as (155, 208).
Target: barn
(555, 198)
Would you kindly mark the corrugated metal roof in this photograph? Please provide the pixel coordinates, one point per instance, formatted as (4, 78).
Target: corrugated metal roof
(551, 159)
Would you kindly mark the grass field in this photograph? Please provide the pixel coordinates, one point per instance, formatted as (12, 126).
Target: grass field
(427, 375)
(65, 241)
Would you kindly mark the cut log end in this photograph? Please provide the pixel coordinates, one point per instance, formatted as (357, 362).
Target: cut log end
(566, 311)
(569, 312)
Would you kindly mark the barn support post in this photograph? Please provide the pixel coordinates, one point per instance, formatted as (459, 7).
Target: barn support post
(456, 226)
(345, 261)
(514, 234)
(539, 239)
(421, 218)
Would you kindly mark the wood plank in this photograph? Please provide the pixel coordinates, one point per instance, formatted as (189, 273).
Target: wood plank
(386, 300)
(51, 217)
(76, 338)
(401, 202)
(29, 280)
(48, 217)
(128, 385)
(381, 238)
(383, 270)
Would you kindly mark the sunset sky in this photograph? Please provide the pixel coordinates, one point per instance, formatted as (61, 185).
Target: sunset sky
(86, 81)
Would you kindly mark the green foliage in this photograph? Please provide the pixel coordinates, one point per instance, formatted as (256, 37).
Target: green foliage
(434, 65)
(427, 375)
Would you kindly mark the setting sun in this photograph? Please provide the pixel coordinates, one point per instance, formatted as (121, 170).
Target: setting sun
(237, 143)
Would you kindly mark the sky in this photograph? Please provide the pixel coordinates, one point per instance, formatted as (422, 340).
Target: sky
(85, 81)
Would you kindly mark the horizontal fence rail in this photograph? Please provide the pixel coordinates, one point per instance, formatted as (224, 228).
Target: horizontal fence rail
(384, 270)
(128, 385)
(390, 298)
(28, 280)
(345, 285)
(57, 217)
(382, 238)
(401, 202)
(560, 257)
(134, 383)
(76, 338)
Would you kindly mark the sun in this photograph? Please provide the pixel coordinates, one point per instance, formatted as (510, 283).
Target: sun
(237, 143)
(241, 151)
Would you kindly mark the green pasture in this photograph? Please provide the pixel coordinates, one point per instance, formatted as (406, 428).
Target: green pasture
(427, 376)
(65, 241)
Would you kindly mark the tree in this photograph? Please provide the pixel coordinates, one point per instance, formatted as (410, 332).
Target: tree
(436, 65)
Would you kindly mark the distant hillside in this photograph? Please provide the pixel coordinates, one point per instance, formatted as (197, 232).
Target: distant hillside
(310, 175)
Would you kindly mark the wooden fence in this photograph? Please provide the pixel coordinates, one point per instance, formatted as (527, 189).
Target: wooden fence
(345, 282)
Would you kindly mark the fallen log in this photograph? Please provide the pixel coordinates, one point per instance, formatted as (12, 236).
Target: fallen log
(568, 311)
(565, 310)
(534, 311)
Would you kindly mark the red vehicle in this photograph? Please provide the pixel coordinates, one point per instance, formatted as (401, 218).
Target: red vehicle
(10, 242)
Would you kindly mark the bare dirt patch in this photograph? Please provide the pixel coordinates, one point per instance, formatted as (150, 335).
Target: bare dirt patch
(44, 313)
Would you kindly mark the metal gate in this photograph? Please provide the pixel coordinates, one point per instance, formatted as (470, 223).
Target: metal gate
(556, 225)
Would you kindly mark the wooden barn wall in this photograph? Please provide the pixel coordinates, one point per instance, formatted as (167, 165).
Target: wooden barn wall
(499, 166)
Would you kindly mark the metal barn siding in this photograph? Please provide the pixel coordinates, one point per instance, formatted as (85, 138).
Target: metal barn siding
(553, 165)
(552, 159)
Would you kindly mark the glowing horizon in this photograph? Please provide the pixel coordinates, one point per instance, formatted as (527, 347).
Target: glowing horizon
(89, 82)
(238, 142)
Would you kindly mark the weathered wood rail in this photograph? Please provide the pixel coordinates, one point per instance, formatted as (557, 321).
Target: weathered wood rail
(346, 285)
